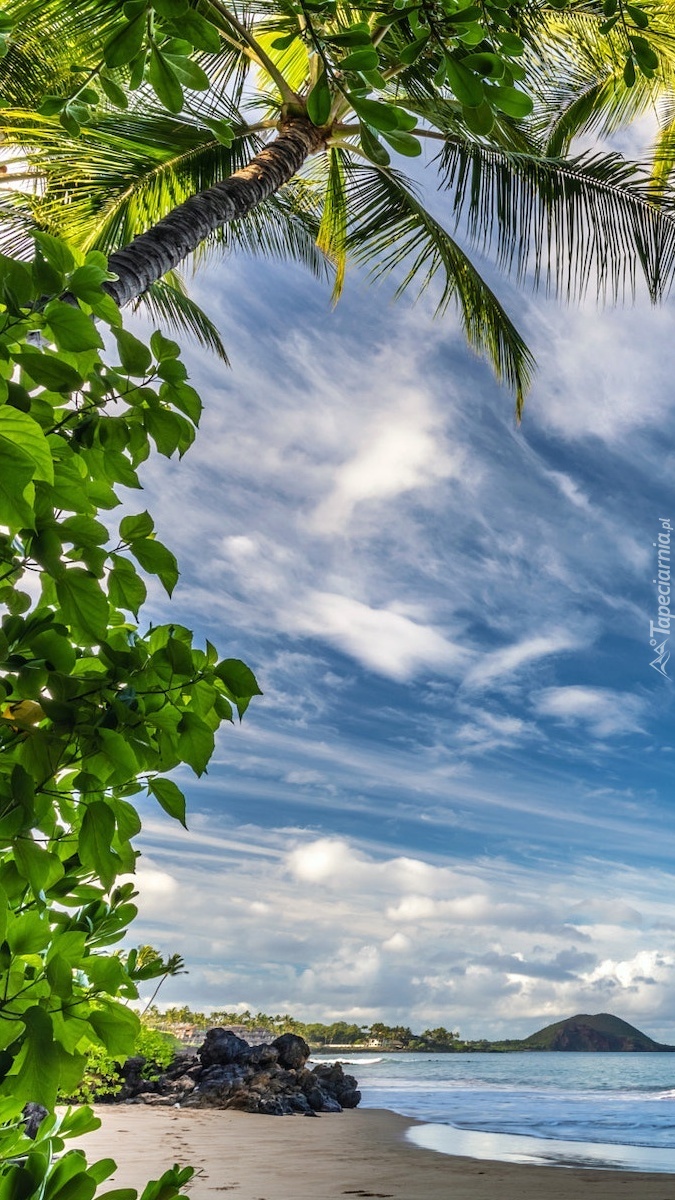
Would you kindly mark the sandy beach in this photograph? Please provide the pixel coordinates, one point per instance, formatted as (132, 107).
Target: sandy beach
(334, 1157)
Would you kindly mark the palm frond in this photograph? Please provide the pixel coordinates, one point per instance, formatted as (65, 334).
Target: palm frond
(119, 177)
(332, 234)
(391, 231)
(168, 301)
(566, 221)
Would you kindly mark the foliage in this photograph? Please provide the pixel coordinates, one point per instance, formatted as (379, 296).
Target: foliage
(169, 103)
(102, 1074)
(92, 709)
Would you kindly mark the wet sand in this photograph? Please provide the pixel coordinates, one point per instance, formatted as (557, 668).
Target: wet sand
(343, 1156)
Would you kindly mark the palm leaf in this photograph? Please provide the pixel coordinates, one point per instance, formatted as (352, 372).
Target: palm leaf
(168, 301)
(332, 234)
(390, 230)
(566, 220)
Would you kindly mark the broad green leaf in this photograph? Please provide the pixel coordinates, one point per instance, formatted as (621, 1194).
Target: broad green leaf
(55, 251)
(510, 101)
(116, 95)
(49, 371)
(189, 73)
(404, 143)
(163, 347)
(373, 148)
(95, 841)
(125, 586)
(140, 525)
(37, 865)
(200, 33)
(361, 60)
(170, 797)
(319, 101)
(21, 432)
(37, 1066)
(117, 1028)
(164, 81)
(155, 558)
(134, 355)
(467, 87)
(195, 742)
(83, 603)
(125, 43)
(240, 682)
(381, 116)
(16, 489)
(71, 328)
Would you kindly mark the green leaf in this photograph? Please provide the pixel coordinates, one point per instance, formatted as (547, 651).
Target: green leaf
(163, 347)
(164, 81)
(37, 865)
(479, 120)
(95, 841)
(404, 143)
(37, 1066)
(381, 116)
(155, 558)
(125, 43)
(372, 148)
(361, 60)
(169, 797)
(49, 371)
(319, 101)
(117, 1027)
(19, 431)
(411, 53)
(140, 525)
(467, 87)
(16, 473)
(189, 73)
(240, 682)
(55, 251)
(135, 357)
(125, 586)
(510, 101)
(195, 742)
(116, 95)
(200, 33)
(83, 604)
(71, 328)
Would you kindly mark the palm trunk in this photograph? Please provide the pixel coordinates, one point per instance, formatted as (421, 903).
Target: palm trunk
(167, 243)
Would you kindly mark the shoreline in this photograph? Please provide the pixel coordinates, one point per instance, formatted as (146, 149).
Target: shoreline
(357, 1153)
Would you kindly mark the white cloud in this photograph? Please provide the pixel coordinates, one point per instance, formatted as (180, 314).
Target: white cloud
(401, 449)
(500, 664)
(382, 639)
(606, 712)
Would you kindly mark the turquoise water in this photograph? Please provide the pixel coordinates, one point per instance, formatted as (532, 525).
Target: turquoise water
(600, 1110)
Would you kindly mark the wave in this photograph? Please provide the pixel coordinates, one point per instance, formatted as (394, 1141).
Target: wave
(361, 1061)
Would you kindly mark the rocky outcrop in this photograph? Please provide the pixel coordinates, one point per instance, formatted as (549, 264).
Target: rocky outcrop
(227, 1072)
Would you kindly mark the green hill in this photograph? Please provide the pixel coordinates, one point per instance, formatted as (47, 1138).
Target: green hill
(601, 1032)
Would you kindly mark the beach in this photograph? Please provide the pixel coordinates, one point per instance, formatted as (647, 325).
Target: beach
(361, 1153)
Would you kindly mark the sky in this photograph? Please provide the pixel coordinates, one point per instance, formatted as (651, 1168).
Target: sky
(453, 804)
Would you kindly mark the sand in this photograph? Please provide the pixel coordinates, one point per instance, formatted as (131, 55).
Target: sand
(343, 1156)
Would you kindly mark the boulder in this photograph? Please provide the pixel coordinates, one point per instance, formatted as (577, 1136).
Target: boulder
(293, 1051)
(221, 1047)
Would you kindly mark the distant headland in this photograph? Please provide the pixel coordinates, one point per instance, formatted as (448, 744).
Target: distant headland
(598, 1033)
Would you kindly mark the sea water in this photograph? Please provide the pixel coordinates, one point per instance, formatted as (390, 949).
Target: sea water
(598, 1110)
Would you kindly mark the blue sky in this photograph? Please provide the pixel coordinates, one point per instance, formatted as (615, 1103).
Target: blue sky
(453, 803)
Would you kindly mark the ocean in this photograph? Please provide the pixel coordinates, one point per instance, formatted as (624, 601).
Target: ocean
(597, 1110)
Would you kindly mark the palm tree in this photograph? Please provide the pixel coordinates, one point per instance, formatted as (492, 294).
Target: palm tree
(283, 146)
